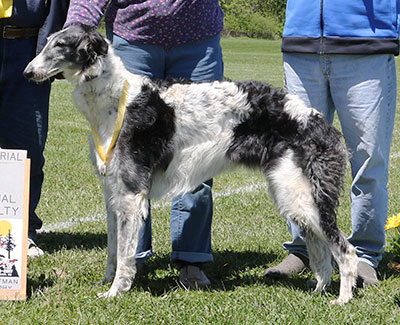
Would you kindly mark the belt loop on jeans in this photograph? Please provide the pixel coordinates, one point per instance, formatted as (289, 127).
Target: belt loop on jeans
(12, 32)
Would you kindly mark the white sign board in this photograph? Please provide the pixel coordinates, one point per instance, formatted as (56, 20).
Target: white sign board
(14, 206)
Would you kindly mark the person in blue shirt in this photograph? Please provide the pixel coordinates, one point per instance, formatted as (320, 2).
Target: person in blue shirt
(338, 55)
(24, 105)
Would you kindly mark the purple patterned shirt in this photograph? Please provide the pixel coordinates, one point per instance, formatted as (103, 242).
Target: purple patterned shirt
(158, 22)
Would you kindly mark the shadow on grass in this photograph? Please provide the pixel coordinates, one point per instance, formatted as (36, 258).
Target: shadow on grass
(34, 284)
(54, 241)
(230, 269)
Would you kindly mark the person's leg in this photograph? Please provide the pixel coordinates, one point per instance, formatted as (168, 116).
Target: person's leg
(304, 76)
(145, 60)
(24, 115)
(199, 62)
(191, 217)
(365, 97)
(191, 214)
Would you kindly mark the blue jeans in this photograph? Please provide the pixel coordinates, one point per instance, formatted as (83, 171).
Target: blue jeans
(24, 109)
(362, 90)
(191, 214)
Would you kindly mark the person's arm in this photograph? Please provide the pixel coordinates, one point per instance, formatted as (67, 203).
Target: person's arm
(86, 12)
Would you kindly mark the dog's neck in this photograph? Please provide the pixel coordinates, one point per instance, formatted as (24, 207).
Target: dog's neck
(98, 90)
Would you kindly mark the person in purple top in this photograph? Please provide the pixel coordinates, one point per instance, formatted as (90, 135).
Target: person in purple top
(168, 39)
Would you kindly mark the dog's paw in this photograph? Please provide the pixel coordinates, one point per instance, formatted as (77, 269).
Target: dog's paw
(120, 285)
(338, 302)
(341, 300)
(107, 295)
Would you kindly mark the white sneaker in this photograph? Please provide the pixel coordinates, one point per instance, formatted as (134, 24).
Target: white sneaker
(192, 277)
(33, 249)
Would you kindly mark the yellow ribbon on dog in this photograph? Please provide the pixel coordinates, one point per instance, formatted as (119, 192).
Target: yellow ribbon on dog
(6, 7)
(118, 124)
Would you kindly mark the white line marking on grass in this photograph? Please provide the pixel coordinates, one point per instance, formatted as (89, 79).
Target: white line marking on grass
(158, 205)
(244, 189)
(73, 222)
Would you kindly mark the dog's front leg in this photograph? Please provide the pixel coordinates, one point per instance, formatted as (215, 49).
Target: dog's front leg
(111, 231)
(133, 208)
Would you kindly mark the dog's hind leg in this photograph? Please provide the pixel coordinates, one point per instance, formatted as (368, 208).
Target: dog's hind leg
(320, 260)
(320, 252)
(131, 210)
(294, 198)
(345, 256)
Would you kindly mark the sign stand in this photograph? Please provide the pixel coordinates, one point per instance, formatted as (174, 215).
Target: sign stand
(14, 209)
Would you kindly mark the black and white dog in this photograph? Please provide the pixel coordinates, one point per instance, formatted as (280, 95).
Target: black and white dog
(176, 135)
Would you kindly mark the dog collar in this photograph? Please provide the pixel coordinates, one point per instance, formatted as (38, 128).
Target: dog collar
(118, 124)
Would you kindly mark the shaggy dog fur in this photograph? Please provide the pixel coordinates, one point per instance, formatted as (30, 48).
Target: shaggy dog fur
(177, 135)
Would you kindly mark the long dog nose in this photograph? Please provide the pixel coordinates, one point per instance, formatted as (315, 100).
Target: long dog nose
(28, 72)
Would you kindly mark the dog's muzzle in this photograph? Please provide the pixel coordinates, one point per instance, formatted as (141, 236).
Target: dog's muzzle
(28, 73)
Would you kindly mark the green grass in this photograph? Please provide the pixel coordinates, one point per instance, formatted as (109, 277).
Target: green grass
(247, 237)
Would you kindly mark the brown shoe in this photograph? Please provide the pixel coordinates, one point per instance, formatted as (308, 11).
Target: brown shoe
(292, 265)
(192, 277)
(366, 275)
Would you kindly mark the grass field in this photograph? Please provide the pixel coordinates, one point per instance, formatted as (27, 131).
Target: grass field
(247, 237)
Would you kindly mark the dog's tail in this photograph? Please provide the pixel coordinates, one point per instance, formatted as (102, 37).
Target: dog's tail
(325, 167)
(324, 160)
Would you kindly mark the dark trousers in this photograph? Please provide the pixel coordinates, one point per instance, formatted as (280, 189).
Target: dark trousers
(24, 108)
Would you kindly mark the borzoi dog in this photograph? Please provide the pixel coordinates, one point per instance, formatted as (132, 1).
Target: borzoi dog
(167, 137)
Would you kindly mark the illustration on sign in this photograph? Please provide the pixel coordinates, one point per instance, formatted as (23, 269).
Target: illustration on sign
(7, 245)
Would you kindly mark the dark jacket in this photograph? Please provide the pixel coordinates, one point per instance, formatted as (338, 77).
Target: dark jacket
(342, 26)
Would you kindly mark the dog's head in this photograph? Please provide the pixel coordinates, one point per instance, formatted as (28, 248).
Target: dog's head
(71, 51)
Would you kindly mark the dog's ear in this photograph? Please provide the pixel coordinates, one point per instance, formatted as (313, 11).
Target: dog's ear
(99, 44)
(91, 46)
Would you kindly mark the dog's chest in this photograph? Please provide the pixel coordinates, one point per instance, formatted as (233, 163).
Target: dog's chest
(100, 109)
